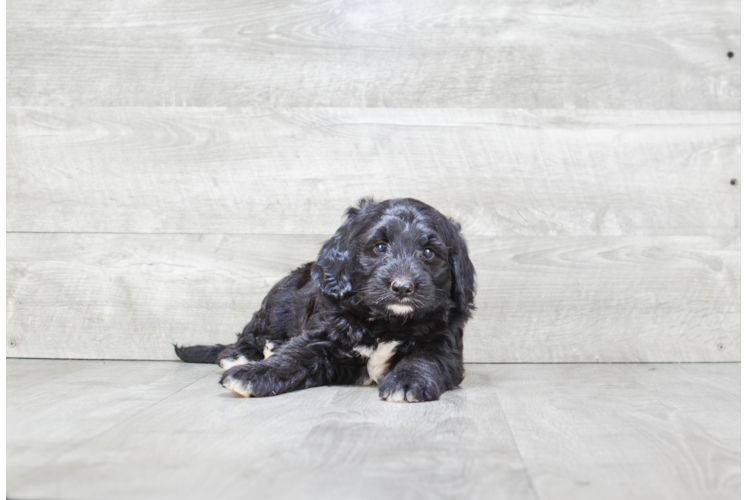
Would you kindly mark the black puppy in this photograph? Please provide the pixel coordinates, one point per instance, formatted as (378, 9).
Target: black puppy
(385, 303)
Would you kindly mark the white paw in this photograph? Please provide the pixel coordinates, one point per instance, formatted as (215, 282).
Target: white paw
(239, 388)
(401, 397)
(412, 398)
(227, 363)
(396, 397)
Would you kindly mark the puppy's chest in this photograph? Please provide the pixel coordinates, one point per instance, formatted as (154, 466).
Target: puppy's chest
(378, 360)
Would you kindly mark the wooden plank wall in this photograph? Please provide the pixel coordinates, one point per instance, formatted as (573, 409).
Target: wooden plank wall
(166, 164)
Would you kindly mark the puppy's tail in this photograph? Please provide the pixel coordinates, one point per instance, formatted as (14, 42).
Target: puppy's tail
(199, 353)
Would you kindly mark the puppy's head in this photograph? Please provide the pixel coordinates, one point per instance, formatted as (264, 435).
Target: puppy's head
(398, 258)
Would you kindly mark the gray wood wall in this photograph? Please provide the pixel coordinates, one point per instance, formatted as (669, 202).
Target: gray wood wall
(167, 163)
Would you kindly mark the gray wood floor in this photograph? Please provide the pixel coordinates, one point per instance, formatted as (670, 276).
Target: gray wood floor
(150, 429)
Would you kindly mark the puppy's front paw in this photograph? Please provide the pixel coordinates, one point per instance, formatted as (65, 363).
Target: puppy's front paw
(408, 388)
(253, 379)
(243, 389)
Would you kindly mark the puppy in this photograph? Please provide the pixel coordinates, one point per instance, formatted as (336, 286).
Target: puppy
(385, 303)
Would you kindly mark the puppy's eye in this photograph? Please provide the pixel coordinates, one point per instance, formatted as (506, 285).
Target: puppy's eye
(428, 253)
(381, 248)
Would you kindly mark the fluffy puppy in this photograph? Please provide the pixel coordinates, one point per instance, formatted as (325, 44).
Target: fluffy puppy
(385, 303)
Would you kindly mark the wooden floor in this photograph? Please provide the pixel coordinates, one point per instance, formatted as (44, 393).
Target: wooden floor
(159, 429)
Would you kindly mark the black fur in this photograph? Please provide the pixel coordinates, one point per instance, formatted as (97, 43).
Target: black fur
(199, 353)
(324, 320)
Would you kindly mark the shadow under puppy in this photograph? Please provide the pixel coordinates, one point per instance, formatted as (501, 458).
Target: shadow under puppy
(385, 303)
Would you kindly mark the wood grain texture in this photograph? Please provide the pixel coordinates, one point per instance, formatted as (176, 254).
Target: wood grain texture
(327, 442)
(652, 431)
(742, 208)
(740, 42)
(562, 299)
(626, 431)
(294, 171)
(436, 53)
(57, 405)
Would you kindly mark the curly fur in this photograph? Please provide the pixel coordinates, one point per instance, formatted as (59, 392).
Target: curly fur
(385, 302)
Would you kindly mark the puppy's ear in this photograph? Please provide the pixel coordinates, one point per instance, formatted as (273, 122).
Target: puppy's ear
(463, 272)
(332, 270)
(364, 206)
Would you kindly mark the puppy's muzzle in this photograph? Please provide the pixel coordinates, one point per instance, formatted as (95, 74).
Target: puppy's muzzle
(402, 286)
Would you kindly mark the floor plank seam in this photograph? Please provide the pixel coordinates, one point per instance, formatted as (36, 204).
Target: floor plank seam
(534, 490)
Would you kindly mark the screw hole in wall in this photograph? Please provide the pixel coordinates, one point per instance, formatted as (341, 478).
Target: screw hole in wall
(734, 182)
(730, 54)
(11, 343)
(721, 347)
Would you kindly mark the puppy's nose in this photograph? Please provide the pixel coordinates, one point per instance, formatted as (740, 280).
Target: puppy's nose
(402, 286)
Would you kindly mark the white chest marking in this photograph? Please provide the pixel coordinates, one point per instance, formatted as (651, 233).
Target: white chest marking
(268, 351)
(364, 351)
(400, 309)
(378, 359)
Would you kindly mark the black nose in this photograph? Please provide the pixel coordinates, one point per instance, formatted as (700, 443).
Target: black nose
(402, 286)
